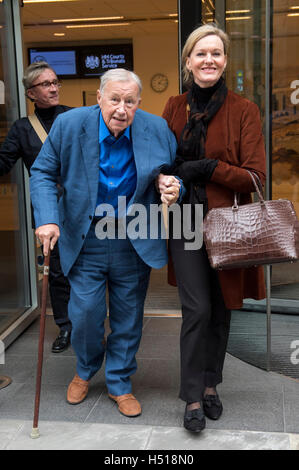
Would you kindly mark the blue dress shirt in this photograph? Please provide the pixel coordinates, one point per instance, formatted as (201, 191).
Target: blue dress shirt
(117, 169)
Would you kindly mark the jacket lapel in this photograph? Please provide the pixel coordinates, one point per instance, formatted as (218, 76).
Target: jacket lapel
(141, 148)
(90, 148)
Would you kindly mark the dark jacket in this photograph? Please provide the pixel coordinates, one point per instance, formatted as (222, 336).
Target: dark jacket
(23, 142)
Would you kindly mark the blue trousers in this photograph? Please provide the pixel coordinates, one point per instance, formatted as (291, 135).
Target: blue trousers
(112, 263)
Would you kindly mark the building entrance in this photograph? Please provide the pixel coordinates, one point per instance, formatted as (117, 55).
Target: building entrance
(262, 67)
(150, 29)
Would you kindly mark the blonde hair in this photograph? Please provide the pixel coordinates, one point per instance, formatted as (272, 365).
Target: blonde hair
(200, 33)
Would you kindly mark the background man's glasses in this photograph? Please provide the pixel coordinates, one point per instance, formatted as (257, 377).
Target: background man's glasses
(47, 84)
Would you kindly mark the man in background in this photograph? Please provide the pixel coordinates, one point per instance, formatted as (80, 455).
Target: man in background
(24, 140)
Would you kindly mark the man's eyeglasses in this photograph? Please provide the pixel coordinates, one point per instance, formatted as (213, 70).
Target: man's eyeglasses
(47, 84)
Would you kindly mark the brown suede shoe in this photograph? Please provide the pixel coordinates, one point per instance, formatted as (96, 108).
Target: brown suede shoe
(77, 390)
(127, 405)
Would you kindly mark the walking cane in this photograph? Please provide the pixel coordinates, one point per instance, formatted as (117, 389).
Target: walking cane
(35, 431)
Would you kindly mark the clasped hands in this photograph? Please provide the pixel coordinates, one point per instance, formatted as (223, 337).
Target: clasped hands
(169, 188)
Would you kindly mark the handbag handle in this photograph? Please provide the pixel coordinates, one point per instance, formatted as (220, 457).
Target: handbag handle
(258, 189)
(258, 185)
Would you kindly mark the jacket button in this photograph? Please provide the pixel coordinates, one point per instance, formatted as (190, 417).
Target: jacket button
(83, 236)
(90, 217)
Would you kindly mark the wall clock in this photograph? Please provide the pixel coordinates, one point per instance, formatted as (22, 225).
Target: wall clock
(159, 82)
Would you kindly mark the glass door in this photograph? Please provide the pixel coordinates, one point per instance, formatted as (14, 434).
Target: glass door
(245, 23)
(17, 266)
(285, 179)
(285, 130)
(263, 67)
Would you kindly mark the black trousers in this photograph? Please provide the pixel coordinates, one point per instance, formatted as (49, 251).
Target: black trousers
(59, 289)
(206, 321)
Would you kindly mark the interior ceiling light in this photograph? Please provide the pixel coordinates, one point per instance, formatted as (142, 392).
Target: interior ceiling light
(95, 25)
(293, 14)
(70, 20)
(48, 1)
(59, 34)
(294, 8)
(234, 18)
(237, 11)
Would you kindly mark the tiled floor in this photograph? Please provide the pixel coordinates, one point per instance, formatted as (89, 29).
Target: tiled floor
(15, 435)
(253, 399)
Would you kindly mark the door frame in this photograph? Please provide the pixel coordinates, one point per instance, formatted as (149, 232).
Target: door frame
(32, 311)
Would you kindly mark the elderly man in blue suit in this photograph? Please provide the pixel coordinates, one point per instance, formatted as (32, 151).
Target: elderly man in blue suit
(100, 153)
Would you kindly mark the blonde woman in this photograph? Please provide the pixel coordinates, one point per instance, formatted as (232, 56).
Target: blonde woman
(219, 136)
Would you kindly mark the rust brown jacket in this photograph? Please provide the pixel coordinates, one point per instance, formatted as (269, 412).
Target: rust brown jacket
(234, 137)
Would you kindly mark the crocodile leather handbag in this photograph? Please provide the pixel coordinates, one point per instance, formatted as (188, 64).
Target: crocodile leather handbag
(263, 232)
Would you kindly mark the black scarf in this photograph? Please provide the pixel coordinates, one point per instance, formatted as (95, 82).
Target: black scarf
(193, 137)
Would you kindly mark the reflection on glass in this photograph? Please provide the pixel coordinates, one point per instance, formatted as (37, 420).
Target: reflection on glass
(14, 295)
(245, 75)
(208, 11)
(245, 24)
(285, 137)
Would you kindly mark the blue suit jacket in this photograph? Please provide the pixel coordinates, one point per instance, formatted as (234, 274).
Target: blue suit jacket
(71, 152)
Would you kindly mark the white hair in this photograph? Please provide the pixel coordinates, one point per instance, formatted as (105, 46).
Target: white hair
(119, 75)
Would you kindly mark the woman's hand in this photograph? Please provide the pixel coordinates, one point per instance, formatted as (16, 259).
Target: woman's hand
(199, 171)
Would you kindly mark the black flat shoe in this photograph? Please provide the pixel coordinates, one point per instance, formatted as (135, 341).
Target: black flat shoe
(212, 406)
(194, 420)
(62, 342)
